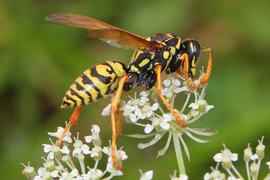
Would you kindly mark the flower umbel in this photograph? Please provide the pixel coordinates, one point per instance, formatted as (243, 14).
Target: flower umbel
(60, 163)
(145, 111)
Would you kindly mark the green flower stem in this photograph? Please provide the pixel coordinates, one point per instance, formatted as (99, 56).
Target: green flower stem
(179, 155)
(247, 169)
(237, 172)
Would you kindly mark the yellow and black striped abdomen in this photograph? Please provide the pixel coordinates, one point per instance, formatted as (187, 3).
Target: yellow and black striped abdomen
(95, 83)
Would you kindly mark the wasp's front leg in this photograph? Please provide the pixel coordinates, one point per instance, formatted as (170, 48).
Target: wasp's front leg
(202, 80)
(165, 101)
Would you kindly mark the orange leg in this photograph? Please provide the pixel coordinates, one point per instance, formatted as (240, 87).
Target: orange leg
(165, 101)
(115, 119)
(118, 123)
(73, 119)
(204, 79)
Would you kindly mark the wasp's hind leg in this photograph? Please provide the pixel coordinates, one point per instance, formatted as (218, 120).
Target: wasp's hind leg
(115, 119)
(72, 120)
(165, 101)
(118, 123)
(203, 79)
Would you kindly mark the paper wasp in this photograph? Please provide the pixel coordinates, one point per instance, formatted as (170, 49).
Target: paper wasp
(155, 54)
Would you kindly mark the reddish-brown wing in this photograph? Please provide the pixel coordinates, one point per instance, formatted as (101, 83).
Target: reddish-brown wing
(113, 35)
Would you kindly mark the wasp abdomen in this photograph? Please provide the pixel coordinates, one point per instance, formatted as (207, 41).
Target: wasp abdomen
(95, 83)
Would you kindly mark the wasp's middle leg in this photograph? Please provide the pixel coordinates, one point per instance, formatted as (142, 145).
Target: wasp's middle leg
(165, 101)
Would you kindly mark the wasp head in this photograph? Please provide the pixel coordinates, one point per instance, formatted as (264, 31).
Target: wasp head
(192, 48)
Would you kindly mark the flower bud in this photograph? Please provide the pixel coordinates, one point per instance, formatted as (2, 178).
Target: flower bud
(96, 153)
(260, 150)
(57, 152)
(247, 154)
(49, 166)
(29, 172)
(254, 169)
(202, 105)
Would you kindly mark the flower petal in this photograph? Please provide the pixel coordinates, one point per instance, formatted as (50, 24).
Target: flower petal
(88, 139)
(218, 157)
(148, 128)
(194, 106)
(234, 157)
(165, 125)
(107, 110)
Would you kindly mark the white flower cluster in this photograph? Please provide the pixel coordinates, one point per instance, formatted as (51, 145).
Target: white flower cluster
(226, 159)
(60, 161)
(147, 112)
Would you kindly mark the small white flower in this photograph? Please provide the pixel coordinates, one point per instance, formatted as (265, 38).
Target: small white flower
(201, 106)
(148, 175)
(95, 135)
(53, 150)
(74, 174)
(120, 156)
(44, 174)
(93, 174)
(58, 134)
(80, 148)
(225, 155)
(165, 121)
(172, 86)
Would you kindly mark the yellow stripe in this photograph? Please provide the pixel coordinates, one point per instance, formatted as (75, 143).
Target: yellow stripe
(80, 93)
(88, 88)
(178, 43)
(144, 62)
(78, 101)
(103, 70)
(102, 87)
(173, 50)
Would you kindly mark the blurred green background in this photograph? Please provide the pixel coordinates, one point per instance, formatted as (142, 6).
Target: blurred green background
(38, 61)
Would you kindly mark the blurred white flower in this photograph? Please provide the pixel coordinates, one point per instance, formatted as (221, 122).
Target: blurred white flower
(148, 175)
(225, 155)
(74, 174)
(44, 174)
(214, 175)
(268, 164)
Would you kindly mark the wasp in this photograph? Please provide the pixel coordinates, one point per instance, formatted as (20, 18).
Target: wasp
(161, 52)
